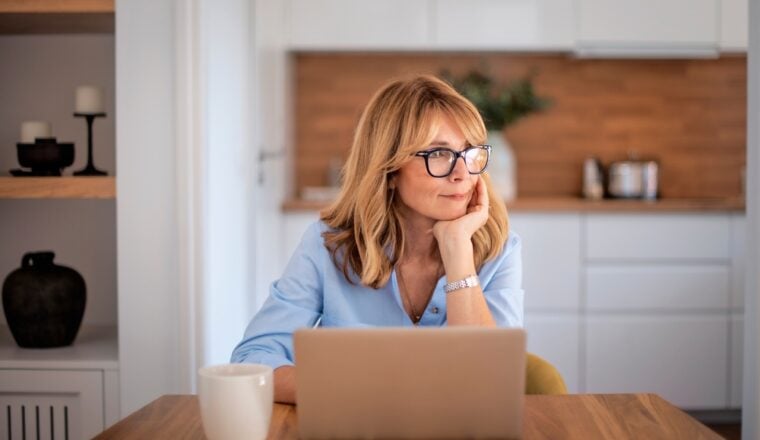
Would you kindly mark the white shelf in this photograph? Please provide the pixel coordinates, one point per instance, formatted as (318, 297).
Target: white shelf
(96, 347)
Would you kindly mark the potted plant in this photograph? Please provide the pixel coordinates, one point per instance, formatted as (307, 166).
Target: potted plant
(500, 105)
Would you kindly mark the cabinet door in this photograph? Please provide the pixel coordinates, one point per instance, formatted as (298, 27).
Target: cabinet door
(51, 404)
(498, 24)
(551, 259)
(658, 287)
(734, 23)
(648, 23)
(358, 24)
(636, 237)
(555, 338)
(682, 358)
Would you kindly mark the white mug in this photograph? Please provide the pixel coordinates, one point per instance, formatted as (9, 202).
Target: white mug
(236, 400)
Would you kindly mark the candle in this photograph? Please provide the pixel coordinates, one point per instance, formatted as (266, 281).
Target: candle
(89, 99)
(31, 130)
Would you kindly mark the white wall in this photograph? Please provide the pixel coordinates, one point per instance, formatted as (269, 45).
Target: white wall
(37, 81)
(271, 134)
(185, 189)
(82, 233)
(224, 73)
(146, 204)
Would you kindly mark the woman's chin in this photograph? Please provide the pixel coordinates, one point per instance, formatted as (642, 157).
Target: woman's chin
(451, 214)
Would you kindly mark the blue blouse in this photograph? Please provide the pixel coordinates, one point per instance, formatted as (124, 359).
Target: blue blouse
(313, 291)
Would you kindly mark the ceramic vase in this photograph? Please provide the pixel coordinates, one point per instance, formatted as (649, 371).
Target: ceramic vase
(43, 302)
(502, 167)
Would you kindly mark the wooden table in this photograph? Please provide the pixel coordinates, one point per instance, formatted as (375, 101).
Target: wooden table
(581, 416)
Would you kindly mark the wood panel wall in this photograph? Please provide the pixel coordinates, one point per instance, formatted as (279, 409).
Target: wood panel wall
(690, 115)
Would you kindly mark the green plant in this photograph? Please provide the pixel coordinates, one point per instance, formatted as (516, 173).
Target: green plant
(499, 105)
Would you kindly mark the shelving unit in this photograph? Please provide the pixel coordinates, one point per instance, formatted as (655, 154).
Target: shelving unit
(58, 187)
(56, 16)
(83, 378)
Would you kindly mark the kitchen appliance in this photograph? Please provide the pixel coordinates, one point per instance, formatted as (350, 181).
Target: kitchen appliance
(633, 179)
(593, 179)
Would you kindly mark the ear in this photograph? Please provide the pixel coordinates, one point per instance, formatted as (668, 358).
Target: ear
(392, 181)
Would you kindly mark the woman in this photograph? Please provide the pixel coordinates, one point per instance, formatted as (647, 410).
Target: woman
(416, 236)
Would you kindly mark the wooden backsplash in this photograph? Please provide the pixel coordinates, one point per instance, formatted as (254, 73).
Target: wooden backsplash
(690, 115)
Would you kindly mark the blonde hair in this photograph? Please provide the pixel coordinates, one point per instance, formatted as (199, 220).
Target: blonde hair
(366, 236)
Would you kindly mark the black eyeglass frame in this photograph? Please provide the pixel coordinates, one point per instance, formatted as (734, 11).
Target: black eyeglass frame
(457, 155)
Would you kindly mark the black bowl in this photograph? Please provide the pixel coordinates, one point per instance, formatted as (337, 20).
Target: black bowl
(45, 156)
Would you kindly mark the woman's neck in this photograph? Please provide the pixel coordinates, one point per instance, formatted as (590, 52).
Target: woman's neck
(420, 245)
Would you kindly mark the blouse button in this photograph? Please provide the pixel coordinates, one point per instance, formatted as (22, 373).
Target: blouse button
(434, 310)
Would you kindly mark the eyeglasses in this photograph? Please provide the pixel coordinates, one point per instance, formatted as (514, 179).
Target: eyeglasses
(440, 162)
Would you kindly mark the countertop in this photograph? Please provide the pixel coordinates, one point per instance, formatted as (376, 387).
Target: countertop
(570, 204)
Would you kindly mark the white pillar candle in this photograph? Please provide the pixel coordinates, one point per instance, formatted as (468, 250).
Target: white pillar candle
(31, 130)
(89, 99)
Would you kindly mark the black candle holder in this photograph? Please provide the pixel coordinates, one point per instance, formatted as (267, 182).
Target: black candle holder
(90, 169)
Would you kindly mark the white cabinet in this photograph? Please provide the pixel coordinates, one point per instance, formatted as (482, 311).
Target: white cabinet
(636, 237)
(358, 24)
(658, 287)
(682, 358)
(734, 23)
(556, 338)
(737, 359)
(677, 28)
(504, 25)
(738, 255)
(551, 259)
(431, 24)
(52, 404)
(644, 27)
(65, 392)
(658, 291)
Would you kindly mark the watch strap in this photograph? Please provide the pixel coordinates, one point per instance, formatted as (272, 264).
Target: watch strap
(470, 281)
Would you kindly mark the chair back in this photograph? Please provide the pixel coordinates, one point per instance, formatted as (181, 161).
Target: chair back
(542, 377)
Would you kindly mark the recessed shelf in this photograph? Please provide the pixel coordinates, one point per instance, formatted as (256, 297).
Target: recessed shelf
(67, 187)
(94, 347)
(56, 16)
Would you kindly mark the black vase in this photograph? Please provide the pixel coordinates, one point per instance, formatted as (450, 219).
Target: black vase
(43, 302)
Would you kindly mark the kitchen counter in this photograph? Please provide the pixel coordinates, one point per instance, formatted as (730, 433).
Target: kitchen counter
(565, 204)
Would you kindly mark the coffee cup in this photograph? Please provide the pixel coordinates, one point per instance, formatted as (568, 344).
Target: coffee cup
(236, 400)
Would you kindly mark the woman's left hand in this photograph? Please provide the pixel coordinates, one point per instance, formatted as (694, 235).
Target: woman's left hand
(451, 232)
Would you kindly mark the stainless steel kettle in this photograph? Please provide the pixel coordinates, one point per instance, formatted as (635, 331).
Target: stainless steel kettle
(633, 179)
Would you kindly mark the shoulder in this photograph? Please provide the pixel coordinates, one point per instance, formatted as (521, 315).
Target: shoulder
(510, 251)
(312, 236)
(511, 245)
(514, 242)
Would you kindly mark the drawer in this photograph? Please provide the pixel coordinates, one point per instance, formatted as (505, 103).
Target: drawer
(682, 358)
(658, 236)
(666, 287)
(51, 404)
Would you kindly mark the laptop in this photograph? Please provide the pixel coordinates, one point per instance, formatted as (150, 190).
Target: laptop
(452, 382)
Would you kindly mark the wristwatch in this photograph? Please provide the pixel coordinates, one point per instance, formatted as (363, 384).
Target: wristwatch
(470, 281)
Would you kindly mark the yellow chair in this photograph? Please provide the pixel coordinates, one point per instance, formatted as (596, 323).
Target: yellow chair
(542, 377)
